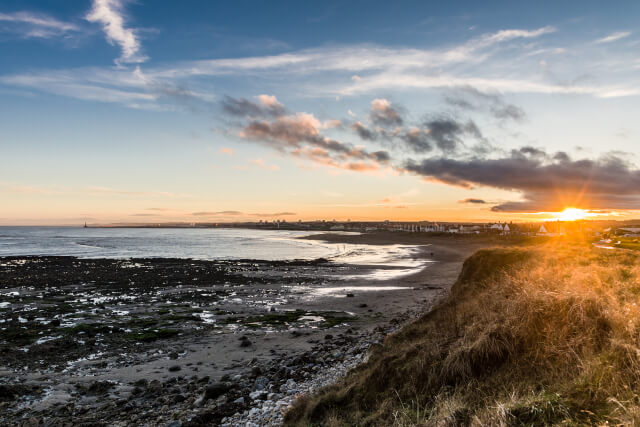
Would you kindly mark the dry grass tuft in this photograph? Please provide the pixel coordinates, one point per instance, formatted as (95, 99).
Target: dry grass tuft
(538, 336)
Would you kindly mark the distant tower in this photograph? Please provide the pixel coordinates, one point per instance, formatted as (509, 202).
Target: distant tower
(85, 224)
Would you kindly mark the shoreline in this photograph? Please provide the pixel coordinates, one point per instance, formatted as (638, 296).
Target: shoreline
(251, 375)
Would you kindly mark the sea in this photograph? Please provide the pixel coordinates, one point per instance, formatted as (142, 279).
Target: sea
(204, 244)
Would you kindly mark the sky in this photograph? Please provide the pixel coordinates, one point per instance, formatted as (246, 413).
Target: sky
(117, 111)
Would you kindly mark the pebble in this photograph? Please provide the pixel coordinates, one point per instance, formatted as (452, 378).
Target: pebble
(216, 390)
(270, 411)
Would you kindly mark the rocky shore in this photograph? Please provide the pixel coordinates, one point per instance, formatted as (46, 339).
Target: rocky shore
(186, 343)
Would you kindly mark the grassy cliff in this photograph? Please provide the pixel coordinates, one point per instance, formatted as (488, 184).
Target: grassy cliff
(534, 336)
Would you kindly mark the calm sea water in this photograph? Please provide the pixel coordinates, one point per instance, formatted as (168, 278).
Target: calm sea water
(203, 243)
(195, 243)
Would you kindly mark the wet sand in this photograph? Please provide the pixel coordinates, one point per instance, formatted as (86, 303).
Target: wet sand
(160, 341)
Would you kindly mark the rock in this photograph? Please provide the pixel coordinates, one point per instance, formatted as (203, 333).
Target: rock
(363, 305)
(174, 368)
(245, 342)
(216, 390)
(239, 401)
(178, 398)
(256, 371)
(141, 382)
(199, 401)
(174, 424)
(328, 337)
(262, 383)
(173, 355)
(258, 395)
(350, 295)
(100, 387)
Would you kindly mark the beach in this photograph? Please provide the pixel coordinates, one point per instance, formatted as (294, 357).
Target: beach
(161, 341)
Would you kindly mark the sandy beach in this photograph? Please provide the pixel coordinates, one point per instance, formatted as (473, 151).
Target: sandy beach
(184, 342)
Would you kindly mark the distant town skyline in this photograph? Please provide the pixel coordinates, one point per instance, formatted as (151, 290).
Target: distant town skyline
(120, 111)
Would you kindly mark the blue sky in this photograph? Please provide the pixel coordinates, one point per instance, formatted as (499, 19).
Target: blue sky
(122, 111)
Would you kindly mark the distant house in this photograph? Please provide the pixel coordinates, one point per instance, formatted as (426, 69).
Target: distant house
(552, 229)
(496, 227)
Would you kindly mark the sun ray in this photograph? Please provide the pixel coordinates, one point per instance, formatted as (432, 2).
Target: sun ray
(573, 214)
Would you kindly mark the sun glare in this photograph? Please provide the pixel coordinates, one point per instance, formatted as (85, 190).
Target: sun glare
(572, 214)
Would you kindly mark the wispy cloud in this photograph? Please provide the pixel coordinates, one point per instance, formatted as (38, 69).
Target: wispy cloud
(35, 25)
(473, 201)
(471, 99)
(110, 14)
(614, 37)
(265, 106)
(262, 164)
(226, 150)
(27, 189)
(113, 191)
(333, 194)
(217, 213)
(506, 35)
(487, 63)
(240, 214)
(274, 214)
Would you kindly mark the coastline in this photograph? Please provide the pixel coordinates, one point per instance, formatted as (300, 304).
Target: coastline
(176, 379)
(445, 258)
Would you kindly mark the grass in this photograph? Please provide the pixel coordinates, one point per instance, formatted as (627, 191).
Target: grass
(632, 243)
(542, 335)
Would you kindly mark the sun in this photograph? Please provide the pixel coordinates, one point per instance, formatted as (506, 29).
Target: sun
(572, 214)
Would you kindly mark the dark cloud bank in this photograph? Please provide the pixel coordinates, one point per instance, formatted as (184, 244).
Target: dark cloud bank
(459, 153)
(547, 182)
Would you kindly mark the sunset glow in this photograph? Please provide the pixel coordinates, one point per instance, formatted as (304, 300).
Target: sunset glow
(319, 114)
(346, 212)
(573, 214)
